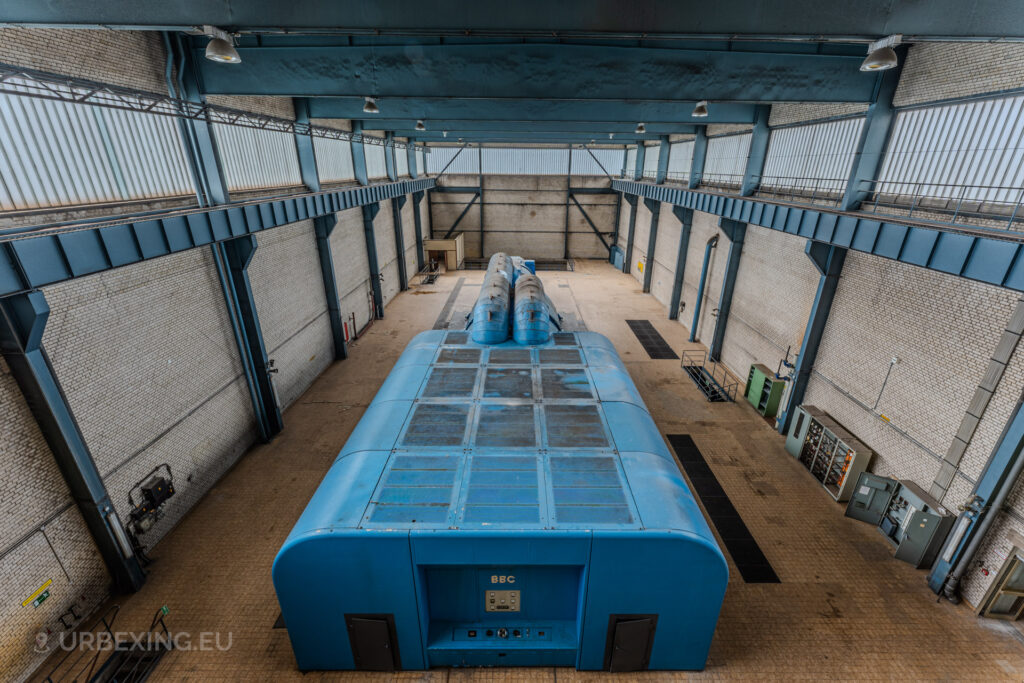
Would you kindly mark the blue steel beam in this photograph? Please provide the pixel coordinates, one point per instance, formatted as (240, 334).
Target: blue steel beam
(39, 256)
(685, 217)
(758, 152)
(237, 254)
(410, 158)
(829, 260)
(995, 257)
(701, 284)
(396, 219)
(602, 128)
(652, 239)
(496, 134)
(663, 153)
(700, 153)
(370, 212)
(641, 155)
(517, 70)
(389, 156)
(735, 232)
(874, 136)
(22, 321)
(623, 113)
(304, 147)
(628, 254)
(359, 157)
(725, 20)
(417, 197)
(323, 226)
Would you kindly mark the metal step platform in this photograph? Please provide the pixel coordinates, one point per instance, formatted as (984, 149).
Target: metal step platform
(711, 378)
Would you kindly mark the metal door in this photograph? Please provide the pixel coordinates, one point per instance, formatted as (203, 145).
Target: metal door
(870, 498)
(1007, 601)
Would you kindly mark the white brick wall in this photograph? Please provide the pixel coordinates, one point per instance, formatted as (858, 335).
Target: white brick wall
(387, 256)
(666, 248)
(409, 237)
(940, 71)
(724, 128)
(795, 112)
(271, 106)
(97, 55)
(348, 248)
(292, 307)
(704, 226)
(641, 232)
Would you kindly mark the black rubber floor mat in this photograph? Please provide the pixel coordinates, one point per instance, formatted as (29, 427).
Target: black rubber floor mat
(746, 553)
(654, 344)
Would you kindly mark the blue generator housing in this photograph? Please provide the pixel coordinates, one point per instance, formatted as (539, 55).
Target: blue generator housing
(503, 505)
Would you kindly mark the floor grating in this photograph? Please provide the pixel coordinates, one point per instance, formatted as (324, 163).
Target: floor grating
(654, 344)
(746, 553)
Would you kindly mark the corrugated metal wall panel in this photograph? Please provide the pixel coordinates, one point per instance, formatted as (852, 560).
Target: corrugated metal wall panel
(726, 159)
(466, 162)
(376, 166)
(526, 161)
(937, 151)
(651, 157)
(333, 160)
(401, 162)
(254, 158)
(59, 154)
(630, 162)
(818, 155)
(603, 162)
(680, 160)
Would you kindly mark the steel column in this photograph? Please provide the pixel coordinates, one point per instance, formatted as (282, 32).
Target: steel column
(685, 217)
(828, 259)
(758, 151)
(711, 244)
(323, 226)
(568, 196)
(735, 232)
(237, 254)
(615, 232)
(628, 255)
(655, 208)
(396, 213)
(359, 155)
(389, 156)
(417, 222)
(874, 137)
(304, 147)
(663, 154)
(22, 321)
(410, 155)
(700, 153)
(641, 154)
(370, 212)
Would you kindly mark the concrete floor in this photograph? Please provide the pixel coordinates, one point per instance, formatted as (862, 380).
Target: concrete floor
(844, 608)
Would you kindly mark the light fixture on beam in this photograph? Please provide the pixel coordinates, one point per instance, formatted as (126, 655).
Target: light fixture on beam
(370, 106)
(221, 46)
(641, 128)
(420, 126)
(701, 110)
(881, 55)
(444, 133)
(611, 136)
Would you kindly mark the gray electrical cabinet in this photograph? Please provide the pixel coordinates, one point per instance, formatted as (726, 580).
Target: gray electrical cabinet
(913, 522)
(834, 456)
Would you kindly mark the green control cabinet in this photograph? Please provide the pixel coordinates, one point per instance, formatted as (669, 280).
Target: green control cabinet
(764, 391)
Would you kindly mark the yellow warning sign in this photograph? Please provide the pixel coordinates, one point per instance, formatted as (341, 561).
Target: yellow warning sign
(39, 591)
(640, 266)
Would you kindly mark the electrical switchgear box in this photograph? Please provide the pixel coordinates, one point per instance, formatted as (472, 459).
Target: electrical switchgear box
(833, 456)
(913, 522)
(763, 390)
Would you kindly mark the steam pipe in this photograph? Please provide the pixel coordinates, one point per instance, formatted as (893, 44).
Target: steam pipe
(712, 243)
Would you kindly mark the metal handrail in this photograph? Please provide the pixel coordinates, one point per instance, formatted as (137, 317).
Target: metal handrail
(992, 202)
(78, 667)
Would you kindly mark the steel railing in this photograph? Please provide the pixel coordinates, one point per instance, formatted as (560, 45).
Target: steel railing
(995, 203)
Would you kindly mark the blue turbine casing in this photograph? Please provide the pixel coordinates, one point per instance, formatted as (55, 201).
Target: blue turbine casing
(480, 468)
(490, 323)
(534, 318)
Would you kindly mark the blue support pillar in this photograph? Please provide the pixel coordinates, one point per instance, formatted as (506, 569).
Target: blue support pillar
(410, 155)
(22, 321)
(735, 232)
(702, 283)
(304, 147)
(652, 240)
(359, 155)
(628, 255)
(641, 155)
(370, 212)
(828, 259)
(237, 254)
(758, 151)
(663, 153)
(323, 226)
(685, 217)
(389, 156)
(615, 233)
(700, 153)
(874, 136)
(396, 213)
(417, 221)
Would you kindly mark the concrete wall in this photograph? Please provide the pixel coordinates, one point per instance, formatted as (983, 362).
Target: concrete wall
(526, 215)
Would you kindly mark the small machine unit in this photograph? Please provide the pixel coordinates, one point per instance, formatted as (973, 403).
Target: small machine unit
(913, 522)
(832, 455)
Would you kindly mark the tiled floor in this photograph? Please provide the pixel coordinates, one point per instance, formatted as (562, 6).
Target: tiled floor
(844, 608)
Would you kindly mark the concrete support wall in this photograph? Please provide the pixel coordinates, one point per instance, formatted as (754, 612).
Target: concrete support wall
(526, 215)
